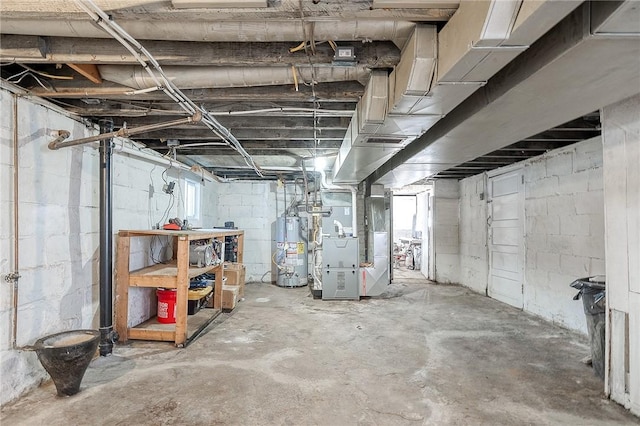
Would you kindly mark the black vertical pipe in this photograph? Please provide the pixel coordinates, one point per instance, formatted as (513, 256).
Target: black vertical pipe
(106, 242)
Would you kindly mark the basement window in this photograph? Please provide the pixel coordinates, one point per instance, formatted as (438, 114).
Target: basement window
(192, 201)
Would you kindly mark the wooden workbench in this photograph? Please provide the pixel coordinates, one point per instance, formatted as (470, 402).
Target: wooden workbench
(174, 274)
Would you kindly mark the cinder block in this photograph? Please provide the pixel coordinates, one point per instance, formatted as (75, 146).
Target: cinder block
(596, 226)
(597, 266)
(548, 261)
(589, 202)
(535, 169)
(535, 207)
(71, 308)
(574, 183)
(542, 188)
(577, 266)
(59, 248)
(587, 246)
(575, 225)
(542, 225)
(536, 241)
(562, 205)
(588, 154)
(596, 181)
(561, 244)
(6, 147)
(560, 163)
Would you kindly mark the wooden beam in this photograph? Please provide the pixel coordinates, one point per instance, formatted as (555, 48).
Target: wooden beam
(89, 71)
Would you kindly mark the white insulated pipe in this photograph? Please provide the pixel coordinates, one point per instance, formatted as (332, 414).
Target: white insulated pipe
(137, 77)
(220, 31)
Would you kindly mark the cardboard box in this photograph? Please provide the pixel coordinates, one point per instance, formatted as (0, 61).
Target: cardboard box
(229, 297)
(235, 273)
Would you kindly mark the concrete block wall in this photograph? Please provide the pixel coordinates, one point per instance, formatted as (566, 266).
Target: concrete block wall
(474, 268)
(564, 232)
(446, 231)
(59, 232)
(621, 145)
(139, 203)
(57, 205)
(252, 207)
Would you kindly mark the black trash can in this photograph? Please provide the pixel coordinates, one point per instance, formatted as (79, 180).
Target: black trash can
(593, 293)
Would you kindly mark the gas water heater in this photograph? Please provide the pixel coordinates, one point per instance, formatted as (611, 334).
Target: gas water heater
(290, 257)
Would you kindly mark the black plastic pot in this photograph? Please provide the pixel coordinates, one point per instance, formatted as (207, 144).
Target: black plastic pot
(66, 357)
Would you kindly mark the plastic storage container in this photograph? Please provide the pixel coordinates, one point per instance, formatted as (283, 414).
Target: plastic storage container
(166, 305)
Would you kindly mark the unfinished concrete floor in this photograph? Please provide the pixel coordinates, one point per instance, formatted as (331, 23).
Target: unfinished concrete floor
(423, 354)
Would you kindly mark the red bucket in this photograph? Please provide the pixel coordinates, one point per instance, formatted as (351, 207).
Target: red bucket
(166, 305)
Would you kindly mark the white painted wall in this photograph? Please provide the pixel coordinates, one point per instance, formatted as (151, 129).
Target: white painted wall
(446, 231)
(59, 224)
(621, 140)
(564, 229)
(252, 207)
(58, 242)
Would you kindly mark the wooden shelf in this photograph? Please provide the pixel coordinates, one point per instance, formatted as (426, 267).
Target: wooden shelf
(153, 330)
(175, 274)
(165, 275)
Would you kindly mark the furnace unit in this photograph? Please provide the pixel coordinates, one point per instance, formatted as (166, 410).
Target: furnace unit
(340, 267)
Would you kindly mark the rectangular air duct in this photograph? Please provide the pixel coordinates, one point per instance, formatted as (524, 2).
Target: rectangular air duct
(375, 133)
(413, 76)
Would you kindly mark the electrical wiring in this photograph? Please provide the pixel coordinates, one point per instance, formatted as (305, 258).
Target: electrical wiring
(27, 73)
(161, 81)
(298, 47)
(163, 249)
(152, 187)
(44, 74)
(165, 215)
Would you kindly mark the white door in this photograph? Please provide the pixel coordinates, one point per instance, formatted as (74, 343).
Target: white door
(506, 243)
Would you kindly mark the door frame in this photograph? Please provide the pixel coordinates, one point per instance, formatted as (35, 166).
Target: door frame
(521, 211)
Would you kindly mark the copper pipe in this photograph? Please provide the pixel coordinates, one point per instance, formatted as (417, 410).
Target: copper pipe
(16, 245)
(125, 132)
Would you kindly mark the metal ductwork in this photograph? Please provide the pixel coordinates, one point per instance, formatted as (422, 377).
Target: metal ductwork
(471, 51)
(217, 77)
(588, 60)
(377, 131)
(425, 87)
(256, 31)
